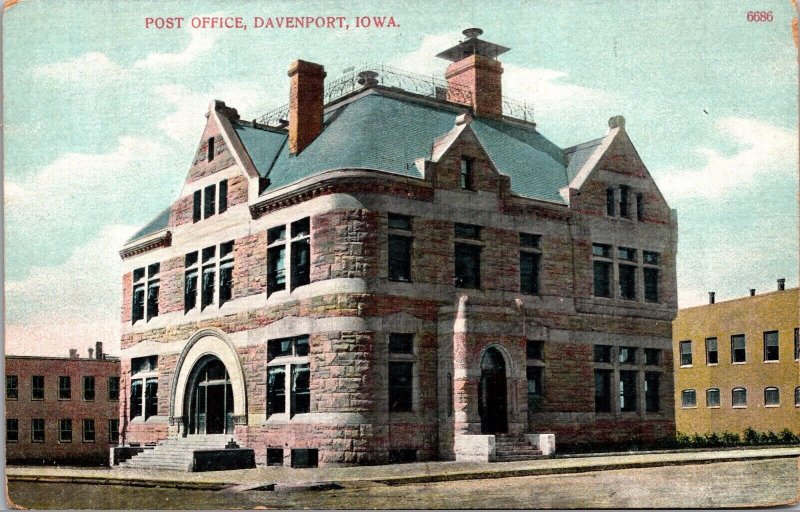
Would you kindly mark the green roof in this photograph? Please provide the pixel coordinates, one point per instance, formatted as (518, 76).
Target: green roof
(160, 222)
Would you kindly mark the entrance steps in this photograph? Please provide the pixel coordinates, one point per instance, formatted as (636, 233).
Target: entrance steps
(509, 447)
(177, 453)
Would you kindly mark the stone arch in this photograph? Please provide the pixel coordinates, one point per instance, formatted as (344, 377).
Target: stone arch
(202, 343)
(507, 360)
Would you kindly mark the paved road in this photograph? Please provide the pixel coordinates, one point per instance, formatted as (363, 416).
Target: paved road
(729, 484)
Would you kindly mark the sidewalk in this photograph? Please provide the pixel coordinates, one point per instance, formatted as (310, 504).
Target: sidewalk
(397, 474)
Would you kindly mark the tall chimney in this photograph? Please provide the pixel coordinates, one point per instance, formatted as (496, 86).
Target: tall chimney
(781, 284)
(306, 98)
(98, 350)
(90, 350)
(711, 297)
(73, 353)
(474, 77)
(752, 292)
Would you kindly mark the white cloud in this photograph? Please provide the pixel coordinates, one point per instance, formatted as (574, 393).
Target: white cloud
(70, 305)
(96, 65)
(202, 42)
(423, 60)
(765, 149)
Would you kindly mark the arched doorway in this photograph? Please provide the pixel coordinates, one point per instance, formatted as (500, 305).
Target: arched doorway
(492, 394)
(209, 401)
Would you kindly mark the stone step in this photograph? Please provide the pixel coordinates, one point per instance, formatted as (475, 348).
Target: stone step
(514, 458)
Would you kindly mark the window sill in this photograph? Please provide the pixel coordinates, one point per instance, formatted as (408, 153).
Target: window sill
(11, 399)
(712, 364)
(772, 361)
(738, 407)
(713, 406)
(739, 362)
(64, 442)
(687, 366)
(35, 441)
(64, 399)
(772, 406)
(11, 441)
(37, 399)
(88, 442)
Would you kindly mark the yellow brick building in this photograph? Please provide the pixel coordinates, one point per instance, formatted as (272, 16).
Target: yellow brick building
(736, 365)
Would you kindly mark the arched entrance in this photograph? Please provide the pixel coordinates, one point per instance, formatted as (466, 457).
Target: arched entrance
(209, 401)
(492, 394)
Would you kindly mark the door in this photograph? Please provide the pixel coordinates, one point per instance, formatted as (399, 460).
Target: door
(492, 394)
(215, 409)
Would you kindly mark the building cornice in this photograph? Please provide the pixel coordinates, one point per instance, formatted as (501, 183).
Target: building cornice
(161, 238)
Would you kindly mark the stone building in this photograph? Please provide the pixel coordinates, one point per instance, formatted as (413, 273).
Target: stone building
(737, 364)
(62, 410)
(395, 268)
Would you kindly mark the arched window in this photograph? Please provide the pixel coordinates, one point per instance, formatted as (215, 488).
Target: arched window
(712, 397)
(688, 398)
(772, 397)
(739, 397)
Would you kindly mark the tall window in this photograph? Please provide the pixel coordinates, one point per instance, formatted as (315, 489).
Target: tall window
(738, 349)
(400, 242)
(467, 173)
(797, 396)
(88, 431)
(225, 272)
(210, 155)
(796, 343)
(190, 281)
(652, 356)
(146, 285)
(686, 353)
(65, 431)
(529, 260)
(222, 202)
(602, 270)
(602, 353)
(639, 207)
(64, 387)
(610, 202)
(534, 372)
(602, 390)
(12, 430)
(37, 387)
(771, 350)
(624, 199)
(712, 355)
(652, 400)
(209, 267)
(688, 398)
(113, 389)
(739, 397)
(627, 273)
(627, 355)
(210, 200)
(772, 397)
(712, 397)
(37, 430)
(650, 271)
(288, 357)
(144, 387)
(197, 205)
(12, 387)
(401, 372)
(299, 256)
(627, 391)
(467, 256)
(136, 398)
(150, 397)
(113, 431)
(88, 388)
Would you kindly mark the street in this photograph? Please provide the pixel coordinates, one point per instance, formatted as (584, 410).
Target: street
(728, 484)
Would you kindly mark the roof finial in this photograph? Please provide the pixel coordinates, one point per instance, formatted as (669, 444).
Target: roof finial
(617, 122)
(472, 33)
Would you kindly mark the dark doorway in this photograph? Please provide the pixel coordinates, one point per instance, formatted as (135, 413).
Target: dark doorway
(210, 403)
(492, 395)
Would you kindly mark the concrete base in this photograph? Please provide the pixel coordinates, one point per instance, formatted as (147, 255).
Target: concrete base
(119, 454)
(221, 460)
(474, 448)
(546, 443)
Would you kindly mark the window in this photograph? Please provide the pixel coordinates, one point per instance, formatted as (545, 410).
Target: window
(113, 389)
(401, 372)
(602, 353)
(144, 387)
(288, 356)
(797, 396)
(650, 272)
(299, 256)
(712, 397)
(136, 398)
(467, 174)
(208, 267)
(739, 397)
(627, 391)
(639, 207)
(12, 387)
(400, 243)
(209, 201)
(738, 351)
(223, 197)
(771, 351)
(627, 282)
(712, 356)
(12, 430)
(150, 283)
(210, 155)
(197, 205)
(796, 343)
(610, 201)
(627, 355)
(37, 430)
(529, 261)
(652, 356)
(190, 282)
(686, 353)
(602, 390)
(64, 388)
(602, 270)
(688, 398)
(535, 386)
(652, 400)
(274, 456)
(209, 277)
(304, 458)
(65, 431)
(225, 272)
(772, 397)
(88, 431)
(88, 388)
(37, 387)
(468, 257)
(535, 349)
(624, 191)
(626, 254)
(402, 456)
(113, 431)
(150, 397)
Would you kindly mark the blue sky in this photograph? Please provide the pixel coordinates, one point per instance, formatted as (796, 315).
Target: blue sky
(102, 117)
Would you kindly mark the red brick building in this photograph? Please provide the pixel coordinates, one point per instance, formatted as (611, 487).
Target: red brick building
(393, 268)
(61, 410)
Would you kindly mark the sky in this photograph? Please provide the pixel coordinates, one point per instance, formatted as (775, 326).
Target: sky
(102, 116)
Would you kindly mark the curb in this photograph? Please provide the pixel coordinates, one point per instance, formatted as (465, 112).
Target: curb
(130, 482)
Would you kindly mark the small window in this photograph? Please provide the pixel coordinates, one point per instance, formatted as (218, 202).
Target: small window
(627, 355)
(276, 234)
(652, 381)
(467, 266)
(150, 397)
(300, 253)
(276, 390)
(602, 279)
(797, 396)
(37, 387)
(529, 263)
(197, 206)
(624, 192)
(37, 430)
(772, 397)
(712, 397)
(397, 221)
(651, 258)
(210, 154)
(403, 456)
(113, 431)
(467, 173)
(650, 284)
(12, 430)
(88, 431)
(771, 349)
(88, 388)
(276, 269)
(639, 207)
(401, 389)
(739, 397)
(12, 387)
(626, 253)
(688, 398)
(627, 282)
(301, 228)
(652, 356)
(304, 458)
(136, 398)
(712, 355)
(65, 431)
(686, 353)
(401, 343)
(64, 387)
(534, 376)
(534, 349)
(602, 353)
(301, 389)
(530, 241)
(209, 203)
(467, 231)
(113, 389)
(400, 258)
(738, 349)
(601, 250)
(602, 390)
(627, 391)
(274, 456)
(610, 201)
(796, 344)
(223, 196)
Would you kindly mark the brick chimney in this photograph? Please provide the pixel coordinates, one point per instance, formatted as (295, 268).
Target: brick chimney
(306, 99)
(711, 297)
(475, 76)
(73, 353)
(98, 350)
(781, 284)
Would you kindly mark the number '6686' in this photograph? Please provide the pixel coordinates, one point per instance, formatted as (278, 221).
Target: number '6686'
(758, 16)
